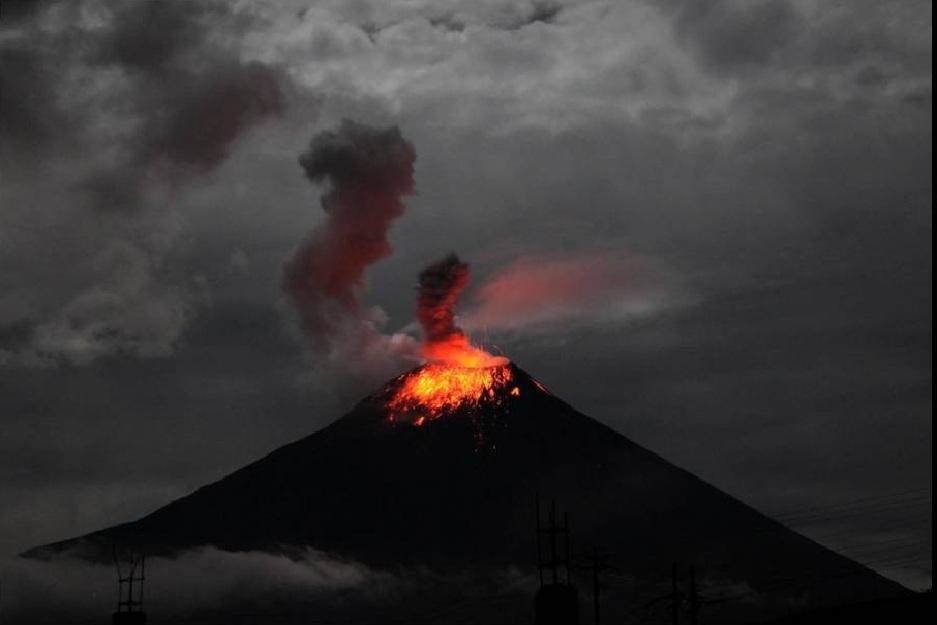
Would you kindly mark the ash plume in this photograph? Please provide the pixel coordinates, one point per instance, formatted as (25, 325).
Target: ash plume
(440, 286)
(367, 171)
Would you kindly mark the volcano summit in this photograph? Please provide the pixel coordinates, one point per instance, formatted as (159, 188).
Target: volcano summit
(453, 489)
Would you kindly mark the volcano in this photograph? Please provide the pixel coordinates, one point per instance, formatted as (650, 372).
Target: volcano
(452, 487)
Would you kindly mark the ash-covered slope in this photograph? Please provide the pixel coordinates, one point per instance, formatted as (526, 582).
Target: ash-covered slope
(459, 492)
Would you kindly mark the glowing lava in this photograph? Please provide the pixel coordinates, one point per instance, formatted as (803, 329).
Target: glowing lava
(458, 376)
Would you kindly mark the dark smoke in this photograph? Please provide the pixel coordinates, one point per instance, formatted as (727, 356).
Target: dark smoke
(186, 98)
(116, 106)
(440, 286)
(195, 98)
(29, 115)
(15, 10)
(205, 120)
(154, 37)
(367, 171)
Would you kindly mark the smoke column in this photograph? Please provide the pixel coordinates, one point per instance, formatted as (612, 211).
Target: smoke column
(440, 286)
(367, 172)
(441, 283)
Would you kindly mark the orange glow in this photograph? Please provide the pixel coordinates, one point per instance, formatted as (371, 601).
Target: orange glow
(435, 390)
(458, 375)
(457, 351)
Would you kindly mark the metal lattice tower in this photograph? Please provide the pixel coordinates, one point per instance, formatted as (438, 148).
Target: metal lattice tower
(557, 600)
(130, 578)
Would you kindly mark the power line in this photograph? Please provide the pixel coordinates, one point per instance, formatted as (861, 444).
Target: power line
(908, 495)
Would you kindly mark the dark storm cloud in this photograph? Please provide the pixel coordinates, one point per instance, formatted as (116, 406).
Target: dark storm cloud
(30, 116)
(544, 12)
(450, 23)
(730, 35)
(194, 100)
(189, 121)
(209, 112)
(170, 99)
(507, 17)
(152, 37)
(14, 10)
(188, 98)
(16, 335)
(538, 12)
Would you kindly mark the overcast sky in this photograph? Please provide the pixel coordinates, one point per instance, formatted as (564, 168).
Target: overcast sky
(724, 209)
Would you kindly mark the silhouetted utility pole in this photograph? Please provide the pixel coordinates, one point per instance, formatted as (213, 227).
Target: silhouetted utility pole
(557, 602)
(597, 564)
(553, 538)
(694, 597)
(595, 583)
(566, 539)
(539, 540)
(555, 562)
(674, 595)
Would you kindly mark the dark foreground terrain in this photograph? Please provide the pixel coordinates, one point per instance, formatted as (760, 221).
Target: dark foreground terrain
(447, 512)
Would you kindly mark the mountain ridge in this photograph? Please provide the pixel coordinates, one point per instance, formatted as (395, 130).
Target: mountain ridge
(459, 492)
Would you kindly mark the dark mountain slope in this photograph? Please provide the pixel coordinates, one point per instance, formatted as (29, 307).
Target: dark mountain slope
(459, 493)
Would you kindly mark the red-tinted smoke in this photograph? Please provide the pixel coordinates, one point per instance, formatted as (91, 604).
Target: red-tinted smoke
(368, 171)
(441, 283)
(548, 290)
(440, 286)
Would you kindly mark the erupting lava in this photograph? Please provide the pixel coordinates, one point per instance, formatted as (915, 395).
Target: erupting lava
(457, 375)
(438, 389)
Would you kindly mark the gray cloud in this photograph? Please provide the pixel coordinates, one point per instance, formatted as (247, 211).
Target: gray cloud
(731, 36)
(193, 99)
(167, 106)
(18, 9)
(154, 37)
(28, 113)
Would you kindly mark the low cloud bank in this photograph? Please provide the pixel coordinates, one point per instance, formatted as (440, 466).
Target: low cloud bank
(212, 586)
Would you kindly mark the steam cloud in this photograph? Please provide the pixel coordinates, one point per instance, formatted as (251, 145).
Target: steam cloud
(440, 286)
(368, 171)
(538, 293)
(207, 585)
